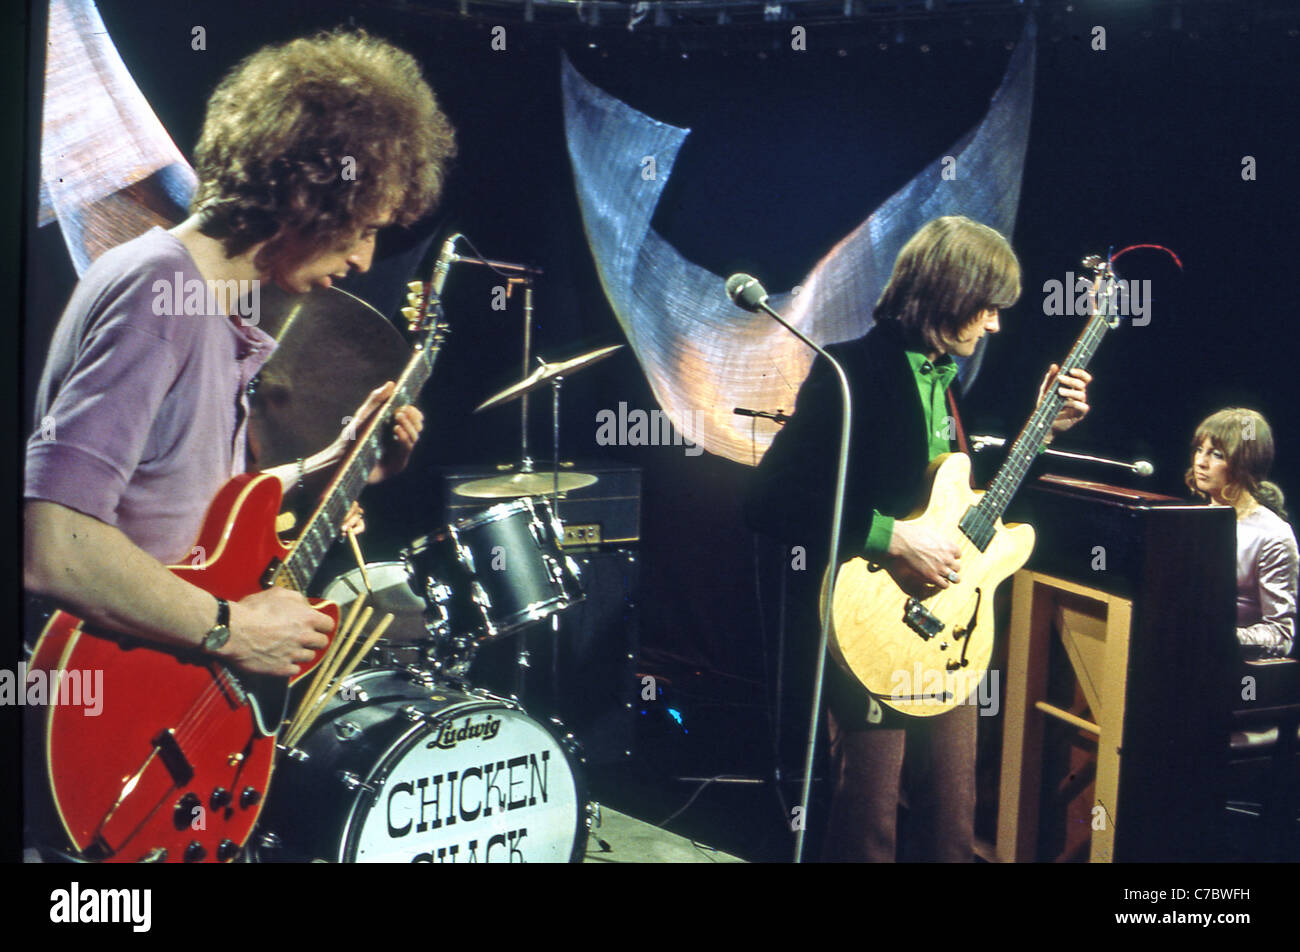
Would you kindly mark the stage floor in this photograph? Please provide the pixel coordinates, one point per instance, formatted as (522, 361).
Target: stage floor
(630, 840)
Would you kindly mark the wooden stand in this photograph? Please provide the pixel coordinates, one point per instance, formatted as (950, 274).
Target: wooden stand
(1149, 640)
(1099, 642)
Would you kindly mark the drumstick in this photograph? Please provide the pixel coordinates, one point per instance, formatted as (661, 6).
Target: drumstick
(367, 646)
(327, 660)
(315, 708)
(343, 641)
(361, 562)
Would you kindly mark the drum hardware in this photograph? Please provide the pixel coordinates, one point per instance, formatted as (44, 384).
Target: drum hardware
(421, 676)
(346, 730)
(353, 782)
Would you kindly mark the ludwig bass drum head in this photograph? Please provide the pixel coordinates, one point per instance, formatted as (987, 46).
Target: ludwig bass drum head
(487, 785)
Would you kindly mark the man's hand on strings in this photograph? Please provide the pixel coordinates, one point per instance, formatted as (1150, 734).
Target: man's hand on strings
(1074, 390)
(402, 433)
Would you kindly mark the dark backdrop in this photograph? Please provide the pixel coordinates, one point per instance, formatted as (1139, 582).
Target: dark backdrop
(1142, 142)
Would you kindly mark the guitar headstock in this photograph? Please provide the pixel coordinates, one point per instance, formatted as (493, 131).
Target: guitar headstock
(416, 311)
(1105, 289)
(424, 298)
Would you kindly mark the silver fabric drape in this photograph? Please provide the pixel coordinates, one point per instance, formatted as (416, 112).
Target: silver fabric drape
(702, 355)
(109, 170)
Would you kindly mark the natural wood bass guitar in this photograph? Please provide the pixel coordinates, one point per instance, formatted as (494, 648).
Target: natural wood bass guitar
(921, 650)
(175, 766)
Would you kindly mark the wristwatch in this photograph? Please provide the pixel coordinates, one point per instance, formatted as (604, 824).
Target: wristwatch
(219, 633)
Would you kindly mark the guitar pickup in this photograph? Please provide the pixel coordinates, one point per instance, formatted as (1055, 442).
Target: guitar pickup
(173, 758)
(921, 620)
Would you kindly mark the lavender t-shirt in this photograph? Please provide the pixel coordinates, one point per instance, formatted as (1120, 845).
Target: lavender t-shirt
(141, 411)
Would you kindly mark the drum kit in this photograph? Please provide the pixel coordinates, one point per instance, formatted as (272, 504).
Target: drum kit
(396, 756)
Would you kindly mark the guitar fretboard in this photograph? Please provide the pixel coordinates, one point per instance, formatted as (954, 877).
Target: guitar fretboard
(979, 521)
(322, 529)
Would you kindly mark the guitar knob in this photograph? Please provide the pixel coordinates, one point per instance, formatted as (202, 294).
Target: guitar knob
(220, 797)
(248, 797)
(187, 808)
(195, 853)
(227, 850)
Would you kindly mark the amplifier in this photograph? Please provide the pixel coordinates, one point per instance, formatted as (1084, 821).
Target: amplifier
(606, 513)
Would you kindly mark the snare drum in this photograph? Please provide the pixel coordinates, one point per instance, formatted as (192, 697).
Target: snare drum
(497, 571)
(398, 769)
(411, 637)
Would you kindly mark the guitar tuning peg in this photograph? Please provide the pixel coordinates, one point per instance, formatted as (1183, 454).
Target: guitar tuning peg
(412, 316)
(415, 287)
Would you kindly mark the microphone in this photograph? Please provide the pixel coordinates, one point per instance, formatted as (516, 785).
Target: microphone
(777, 416)
(444, 263)
(1141, 467)
(746, 292)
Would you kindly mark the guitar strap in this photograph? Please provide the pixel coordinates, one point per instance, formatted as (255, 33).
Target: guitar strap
(961, 431)
(956, 418)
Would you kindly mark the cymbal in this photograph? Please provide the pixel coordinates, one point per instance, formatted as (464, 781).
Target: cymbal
(522, 484)
(543, 375)
(332, 349)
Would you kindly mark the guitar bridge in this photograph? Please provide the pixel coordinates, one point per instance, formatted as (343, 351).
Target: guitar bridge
(921, 620)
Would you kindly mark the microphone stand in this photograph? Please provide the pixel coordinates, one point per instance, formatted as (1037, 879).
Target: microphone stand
(841, 478)
(1140, 467)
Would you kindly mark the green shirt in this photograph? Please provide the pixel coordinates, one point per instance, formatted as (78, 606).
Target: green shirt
(932, 381)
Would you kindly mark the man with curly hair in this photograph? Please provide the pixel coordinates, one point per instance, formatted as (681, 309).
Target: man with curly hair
(307, 150)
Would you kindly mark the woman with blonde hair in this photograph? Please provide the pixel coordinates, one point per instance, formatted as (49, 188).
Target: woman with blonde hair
(1232, 454)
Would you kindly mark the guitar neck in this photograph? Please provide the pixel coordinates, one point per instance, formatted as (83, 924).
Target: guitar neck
(322, 529)
(979, 521)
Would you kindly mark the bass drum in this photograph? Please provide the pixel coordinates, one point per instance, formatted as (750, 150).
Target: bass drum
(399, 769)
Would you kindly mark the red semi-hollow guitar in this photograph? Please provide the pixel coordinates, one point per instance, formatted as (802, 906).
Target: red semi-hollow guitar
(176, 764)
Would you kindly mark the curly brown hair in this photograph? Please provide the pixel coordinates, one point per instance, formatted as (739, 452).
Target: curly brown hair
(947, 273)
(306, 143)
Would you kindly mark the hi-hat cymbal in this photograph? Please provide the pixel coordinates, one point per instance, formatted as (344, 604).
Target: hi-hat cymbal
(522, 484)
(543, 375)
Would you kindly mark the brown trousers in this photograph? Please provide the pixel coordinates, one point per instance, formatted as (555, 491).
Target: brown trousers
(933, 759)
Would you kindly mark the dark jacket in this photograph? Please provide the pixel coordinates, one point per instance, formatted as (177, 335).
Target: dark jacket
(792, 492)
